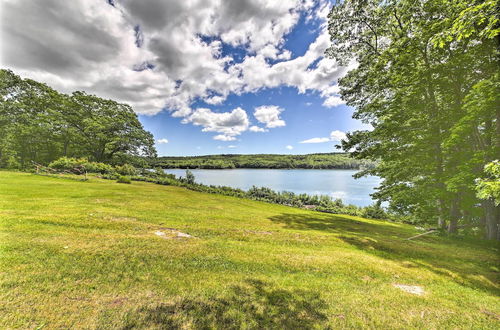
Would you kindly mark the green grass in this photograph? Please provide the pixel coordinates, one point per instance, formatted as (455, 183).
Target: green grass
(85, 255)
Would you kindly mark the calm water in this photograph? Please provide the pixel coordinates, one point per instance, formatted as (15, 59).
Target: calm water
(334, 183)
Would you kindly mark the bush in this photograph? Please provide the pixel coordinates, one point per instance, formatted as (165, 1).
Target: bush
(80, 165)
(126, 169)
(12, 163)
(158, 171)
(110, 176)
(124, 179)
(189, 177)
(74, 165)
(102, 168)
(374, 211)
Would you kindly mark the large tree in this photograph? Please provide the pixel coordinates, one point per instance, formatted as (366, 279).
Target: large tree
(38, 124)
(426, 81)
(107, 128)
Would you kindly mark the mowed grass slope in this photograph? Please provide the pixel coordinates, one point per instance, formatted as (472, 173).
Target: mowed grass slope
(85, 255)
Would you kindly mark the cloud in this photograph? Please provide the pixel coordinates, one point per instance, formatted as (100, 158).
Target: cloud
(162, 141)
(333, 101)
(309, 72)
(335, 136)
(164, 55)
(316, 140)
(229, 124)
(289, 147)
(257, 129)
(80, 45)
(339, 194)
(222, 137)
(269, 115)
(232, 146)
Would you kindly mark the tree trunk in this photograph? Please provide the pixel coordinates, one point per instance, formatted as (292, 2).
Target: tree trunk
(441, 217)
(435, 127)
(491, 215)
(454, 216)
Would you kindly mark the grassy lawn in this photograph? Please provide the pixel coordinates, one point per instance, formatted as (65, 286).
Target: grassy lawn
(88, 255)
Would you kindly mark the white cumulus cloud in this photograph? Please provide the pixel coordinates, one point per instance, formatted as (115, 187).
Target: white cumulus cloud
(269, 115)
(316, 140)
(257, 129)
(228, 124)
(222, 137)
(164, 55)
(162, 141)
(335, 136)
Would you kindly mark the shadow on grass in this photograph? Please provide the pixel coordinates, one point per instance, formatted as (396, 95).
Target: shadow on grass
(472, 264)
(254, 304)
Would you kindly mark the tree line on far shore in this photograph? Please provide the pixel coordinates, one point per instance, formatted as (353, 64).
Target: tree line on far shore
(309, 161)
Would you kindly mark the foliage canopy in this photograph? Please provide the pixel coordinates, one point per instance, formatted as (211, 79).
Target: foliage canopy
(427, 81)
(39, 124)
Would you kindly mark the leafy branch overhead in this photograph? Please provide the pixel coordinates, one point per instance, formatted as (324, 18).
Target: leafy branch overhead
(489, 187)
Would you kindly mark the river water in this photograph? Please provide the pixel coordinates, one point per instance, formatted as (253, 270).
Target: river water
(334, 183)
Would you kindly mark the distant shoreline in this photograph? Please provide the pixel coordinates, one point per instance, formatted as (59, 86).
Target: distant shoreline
(317, 161)
(259, 168)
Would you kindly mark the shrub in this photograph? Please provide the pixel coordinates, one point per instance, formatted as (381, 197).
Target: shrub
(102, 168)
(374, 211)
(75, 165)
(12, 163)
(124, 179)
(110, 176)
(80, 165)
(158, 171)
(189, 177)
(126, 169)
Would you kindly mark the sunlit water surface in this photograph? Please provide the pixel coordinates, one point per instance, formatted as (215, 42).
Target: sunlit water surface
(334, 183)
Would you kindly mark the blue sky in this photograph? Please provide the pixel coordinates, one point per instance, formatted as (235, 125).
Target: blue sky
(304, 115)
(204, 76)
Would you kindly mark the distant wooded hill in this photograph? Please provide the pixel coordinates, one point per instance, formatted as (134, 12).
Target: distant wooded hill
(312, 161)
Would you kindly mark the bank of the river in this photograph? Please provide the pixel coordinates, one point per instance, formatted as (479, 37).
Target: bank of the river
(333, 183)
(99, 254)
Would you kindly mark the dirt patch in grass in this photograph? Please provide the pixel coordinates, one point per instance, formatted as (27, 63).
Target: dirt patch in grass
(171, 233)
(258, 232)
(121, 219)
(413, 289)
(366, 278)
(118, 301)
(409, 264)
(491, 314)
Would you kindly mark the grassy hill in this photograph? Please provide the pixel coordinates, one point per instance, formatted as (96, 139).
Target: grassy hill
(99, 254)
